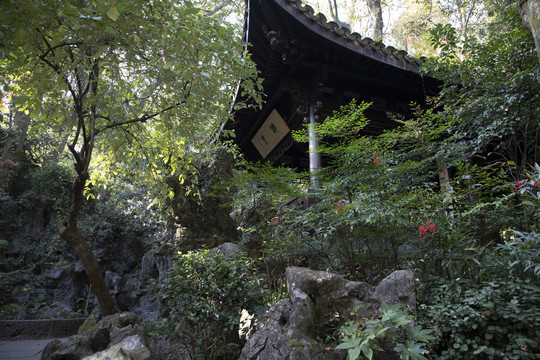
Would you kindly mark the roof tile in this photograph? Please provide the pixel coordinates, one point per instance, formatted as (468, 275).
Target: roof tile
(356, 38)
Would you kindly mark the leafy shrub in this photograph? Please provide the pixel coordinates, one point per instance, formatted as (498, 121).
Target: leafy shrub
(9, 311)
(495, 319)
(391, 325)
(492, 87)
(205, 294)
(493, 310)
(119, 210)
(52, 181)
(518, 258)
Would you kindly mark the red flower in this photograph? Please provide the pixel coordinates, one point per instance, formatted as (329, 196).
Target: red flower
(426, 228)
(518, 185)
(378, 160)
(274, 221)
(339, 206)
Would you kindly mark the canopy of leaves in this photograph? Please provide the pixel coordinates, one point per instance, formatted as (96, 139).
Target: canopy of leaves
(107, 68)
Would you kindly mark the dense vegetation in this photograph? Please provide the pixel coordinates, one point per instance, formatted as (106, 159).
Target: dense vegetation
(138, 110)
(473, 239)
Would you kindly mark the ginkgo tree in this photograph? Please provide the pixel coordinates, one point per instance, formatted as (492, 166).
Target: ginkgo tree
(117, 72)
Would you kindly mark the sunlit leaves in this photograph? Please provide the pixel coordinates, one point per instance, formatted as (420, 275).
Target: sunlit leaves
(344, 123)
(169, 63)
(112, 13)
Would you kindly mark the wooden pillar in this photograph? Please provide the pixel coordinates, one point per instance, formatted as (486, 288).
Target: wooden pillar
(315, 163)
(444, 179)
(308, 96)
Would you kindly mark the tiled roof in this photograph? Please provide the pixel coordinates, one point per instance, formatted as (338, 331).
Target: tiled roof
(362, 44)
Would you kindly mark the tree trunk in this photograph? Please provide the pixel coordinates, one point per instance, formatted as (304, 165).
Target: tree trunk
(70, 232)
(376, 13)
(13, 149)
(335, 16)
(530, 13)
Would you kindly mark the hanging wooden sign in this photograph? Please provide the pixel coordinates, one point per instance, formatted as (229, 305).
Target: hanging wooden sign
(272, 131)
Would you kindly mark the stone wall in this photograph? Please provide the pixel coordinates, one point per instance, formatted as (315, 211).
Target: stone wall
(39, 329)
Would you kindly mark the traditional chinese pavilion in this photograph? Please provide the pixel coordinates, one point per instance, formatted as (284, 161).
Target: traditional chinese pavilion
(310, 68)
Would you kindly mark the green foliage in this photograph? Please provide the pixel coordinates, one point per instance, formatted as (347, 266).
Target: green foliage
(134, 85)
(139, 85)
(382, 204)
(492, 310)
(492, 87)
(495, 319)
(17, 211)
(6, 285)
(518, 257)
(9, 311)
(122, 209)
(37, 301)
(391, 325)
(374, 194)
(50, 180)
(262, 188)
(343, 125)
(205, 294)
(411, 29)
(527, 190)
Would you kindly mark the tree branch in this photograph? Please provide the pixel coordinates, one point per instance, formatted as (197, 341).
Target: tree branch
(137, 141)
(219, 7)
(141, 119)
(144, 117)
(93, 80)
(56, 69)
(52, 48)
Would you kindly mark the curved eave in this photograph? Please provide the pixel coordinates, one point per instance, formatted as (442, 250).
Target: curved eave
(356, 67)
(331, 31)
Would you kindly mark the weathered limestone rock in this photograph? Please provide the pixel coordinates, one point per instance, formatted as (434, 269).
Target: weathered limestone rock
(318, 300)
(77, 347)
(89, 326)
(121, 326)
(156, 262)
(111, 333)
(113, 280)
(278, 339)
(226, 249)
(397, 287)
(49, 291)
(131, 348)
(14, 292)
(530, 12)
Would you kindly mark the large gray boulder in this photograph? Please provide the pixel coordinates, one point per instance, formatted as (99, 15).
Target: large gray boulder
(93, 338)
(317, 301)
(530, 13)
(131, 348)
